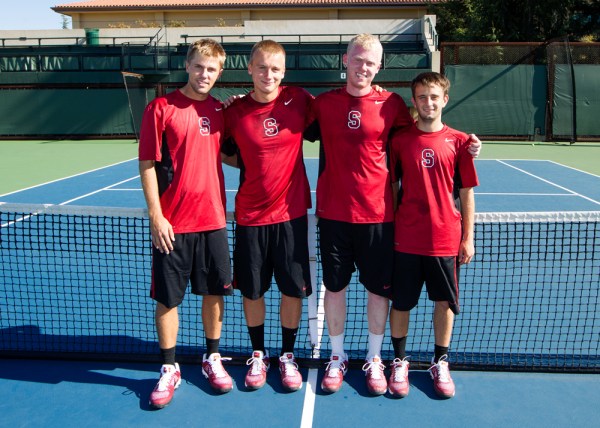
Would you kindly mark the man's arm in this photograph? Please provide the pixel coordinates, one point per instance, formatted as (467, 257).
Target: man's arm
(467, 246)
(160, 228)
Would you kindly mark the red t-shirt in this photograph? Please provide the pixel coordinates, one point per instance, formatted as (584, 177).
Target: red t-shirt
(354, 182)
(430, 166)
(184, 137)
(268, 139)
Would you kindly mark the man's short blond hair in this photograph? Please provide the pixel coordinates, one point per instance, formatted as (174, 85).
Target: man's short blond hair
(207, 47)
(267, 46)
(365, 41)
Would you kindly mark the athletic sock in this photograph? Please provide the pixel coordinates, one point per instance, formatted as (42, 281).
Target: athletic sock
(337, 344)
(399, 344)
(439, 352)
(168, 355)
(257, 337)
(288, 336)
(212, 346)
(375, 342)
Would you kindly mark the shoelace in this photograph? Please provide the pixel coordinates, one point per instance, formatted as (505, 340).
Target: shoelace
(217, 368)
(400, 369)
(441, 371)
(256, 365)
(334, 366)
(289, 366)
(375, 368)
(165, 379)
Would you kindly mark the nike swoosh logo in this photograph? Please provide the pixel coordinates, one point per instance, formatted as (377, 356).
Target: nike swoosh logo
(387, 287)
(449, 140)
(288, 101)
(218, 109)
(379, 102)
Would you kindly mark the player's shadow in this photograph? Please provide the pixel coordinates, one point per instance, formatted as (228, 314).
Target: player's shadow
(83, 371)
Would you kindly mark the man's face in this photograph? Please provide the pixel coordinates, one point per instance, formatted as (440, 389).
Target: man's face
(362, 66)
(429, 102)
(203, 72)
(267, 71)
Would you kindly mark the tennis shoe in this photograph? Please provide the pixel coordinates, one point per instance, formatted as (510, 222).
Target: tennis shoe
(442, 382)
(259, 366)
(398, 385)
(213, 370)
(376, 382)
(170, 379)
(291, 378)
(334, 373)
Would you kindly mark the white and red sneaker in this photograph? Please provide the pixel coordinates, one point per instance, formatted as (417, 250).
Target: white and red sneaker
(398, 385)
(259, 366)
(375, 377)
(334, 373)
(291, 378)
(213, 370)
(170, 379)
(442, 382)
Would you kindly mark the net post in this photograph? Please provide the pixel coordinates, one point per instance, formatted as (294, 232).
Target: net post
(313, 323)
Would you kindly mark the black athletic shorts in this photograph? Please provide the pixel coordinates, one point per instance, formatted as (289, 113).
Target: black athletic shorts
(347, 246)
(279, 249)
(440, 275)
(202, 259)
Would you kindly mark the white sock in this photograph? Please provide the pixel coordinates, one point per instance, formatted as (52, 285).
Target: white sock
(337, 344)
(375, 342)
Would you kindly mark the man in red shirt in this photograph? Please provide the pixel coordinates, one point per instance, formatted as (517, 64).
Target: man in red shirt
(182, 179)
(433, 232)
(354, 202)
(264, 134)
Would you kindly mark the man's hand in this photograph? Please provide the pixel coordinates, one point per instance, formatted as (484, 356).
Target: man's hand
(162, 234)
(231, 99)
(475, 146)
(466, 252)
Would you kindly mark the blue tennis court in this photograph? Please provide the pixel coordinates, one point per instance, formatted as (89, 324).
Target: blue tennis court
(506, 186)
(75, 393)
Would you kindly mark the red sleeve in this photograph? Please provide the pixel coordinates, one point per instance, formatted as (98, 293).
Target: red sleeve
(151, 132)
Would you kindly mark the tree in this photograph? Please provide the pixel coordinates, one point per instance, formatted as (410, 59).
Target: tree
(517, 20)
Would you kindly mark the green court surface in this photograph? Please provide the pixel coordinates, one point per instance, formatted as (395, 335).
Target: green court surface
(29, 163)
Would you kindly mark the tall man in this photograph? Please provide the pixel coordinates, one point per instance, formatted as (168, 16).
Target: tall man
(433, 234)
(354, 202)
(264, 131)
(182, 179)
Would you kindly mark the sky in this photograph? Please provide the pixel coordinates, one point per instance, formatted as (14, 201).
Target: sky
(31, 15)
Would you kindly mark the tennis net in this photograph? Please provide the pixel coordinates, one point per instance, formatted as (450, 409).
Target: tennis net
(74, 283)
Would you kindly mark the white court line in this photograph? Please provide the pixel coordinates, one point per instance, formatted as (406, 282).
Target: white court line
(550, 182)
(524, 194)
(308, 409)
(66, 178)
(574, 169)
(96, 191)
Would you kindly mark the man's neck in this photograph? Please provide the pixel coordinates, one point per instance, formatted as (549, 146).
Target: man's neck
(190, 93)
(430, 126)
(356, 92)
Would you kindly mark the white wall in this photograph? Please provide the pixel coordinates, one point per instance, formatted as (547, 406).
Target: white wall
(321, 30)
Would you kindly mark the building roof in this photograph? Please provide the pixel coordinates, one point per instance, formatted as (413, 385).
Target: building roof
(103, 5)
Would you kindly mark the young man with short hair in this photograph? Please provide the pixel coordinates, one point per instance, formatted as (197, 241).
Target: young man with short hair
(264, 132)
(354, 202)
(182, 179)
(433, 233)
